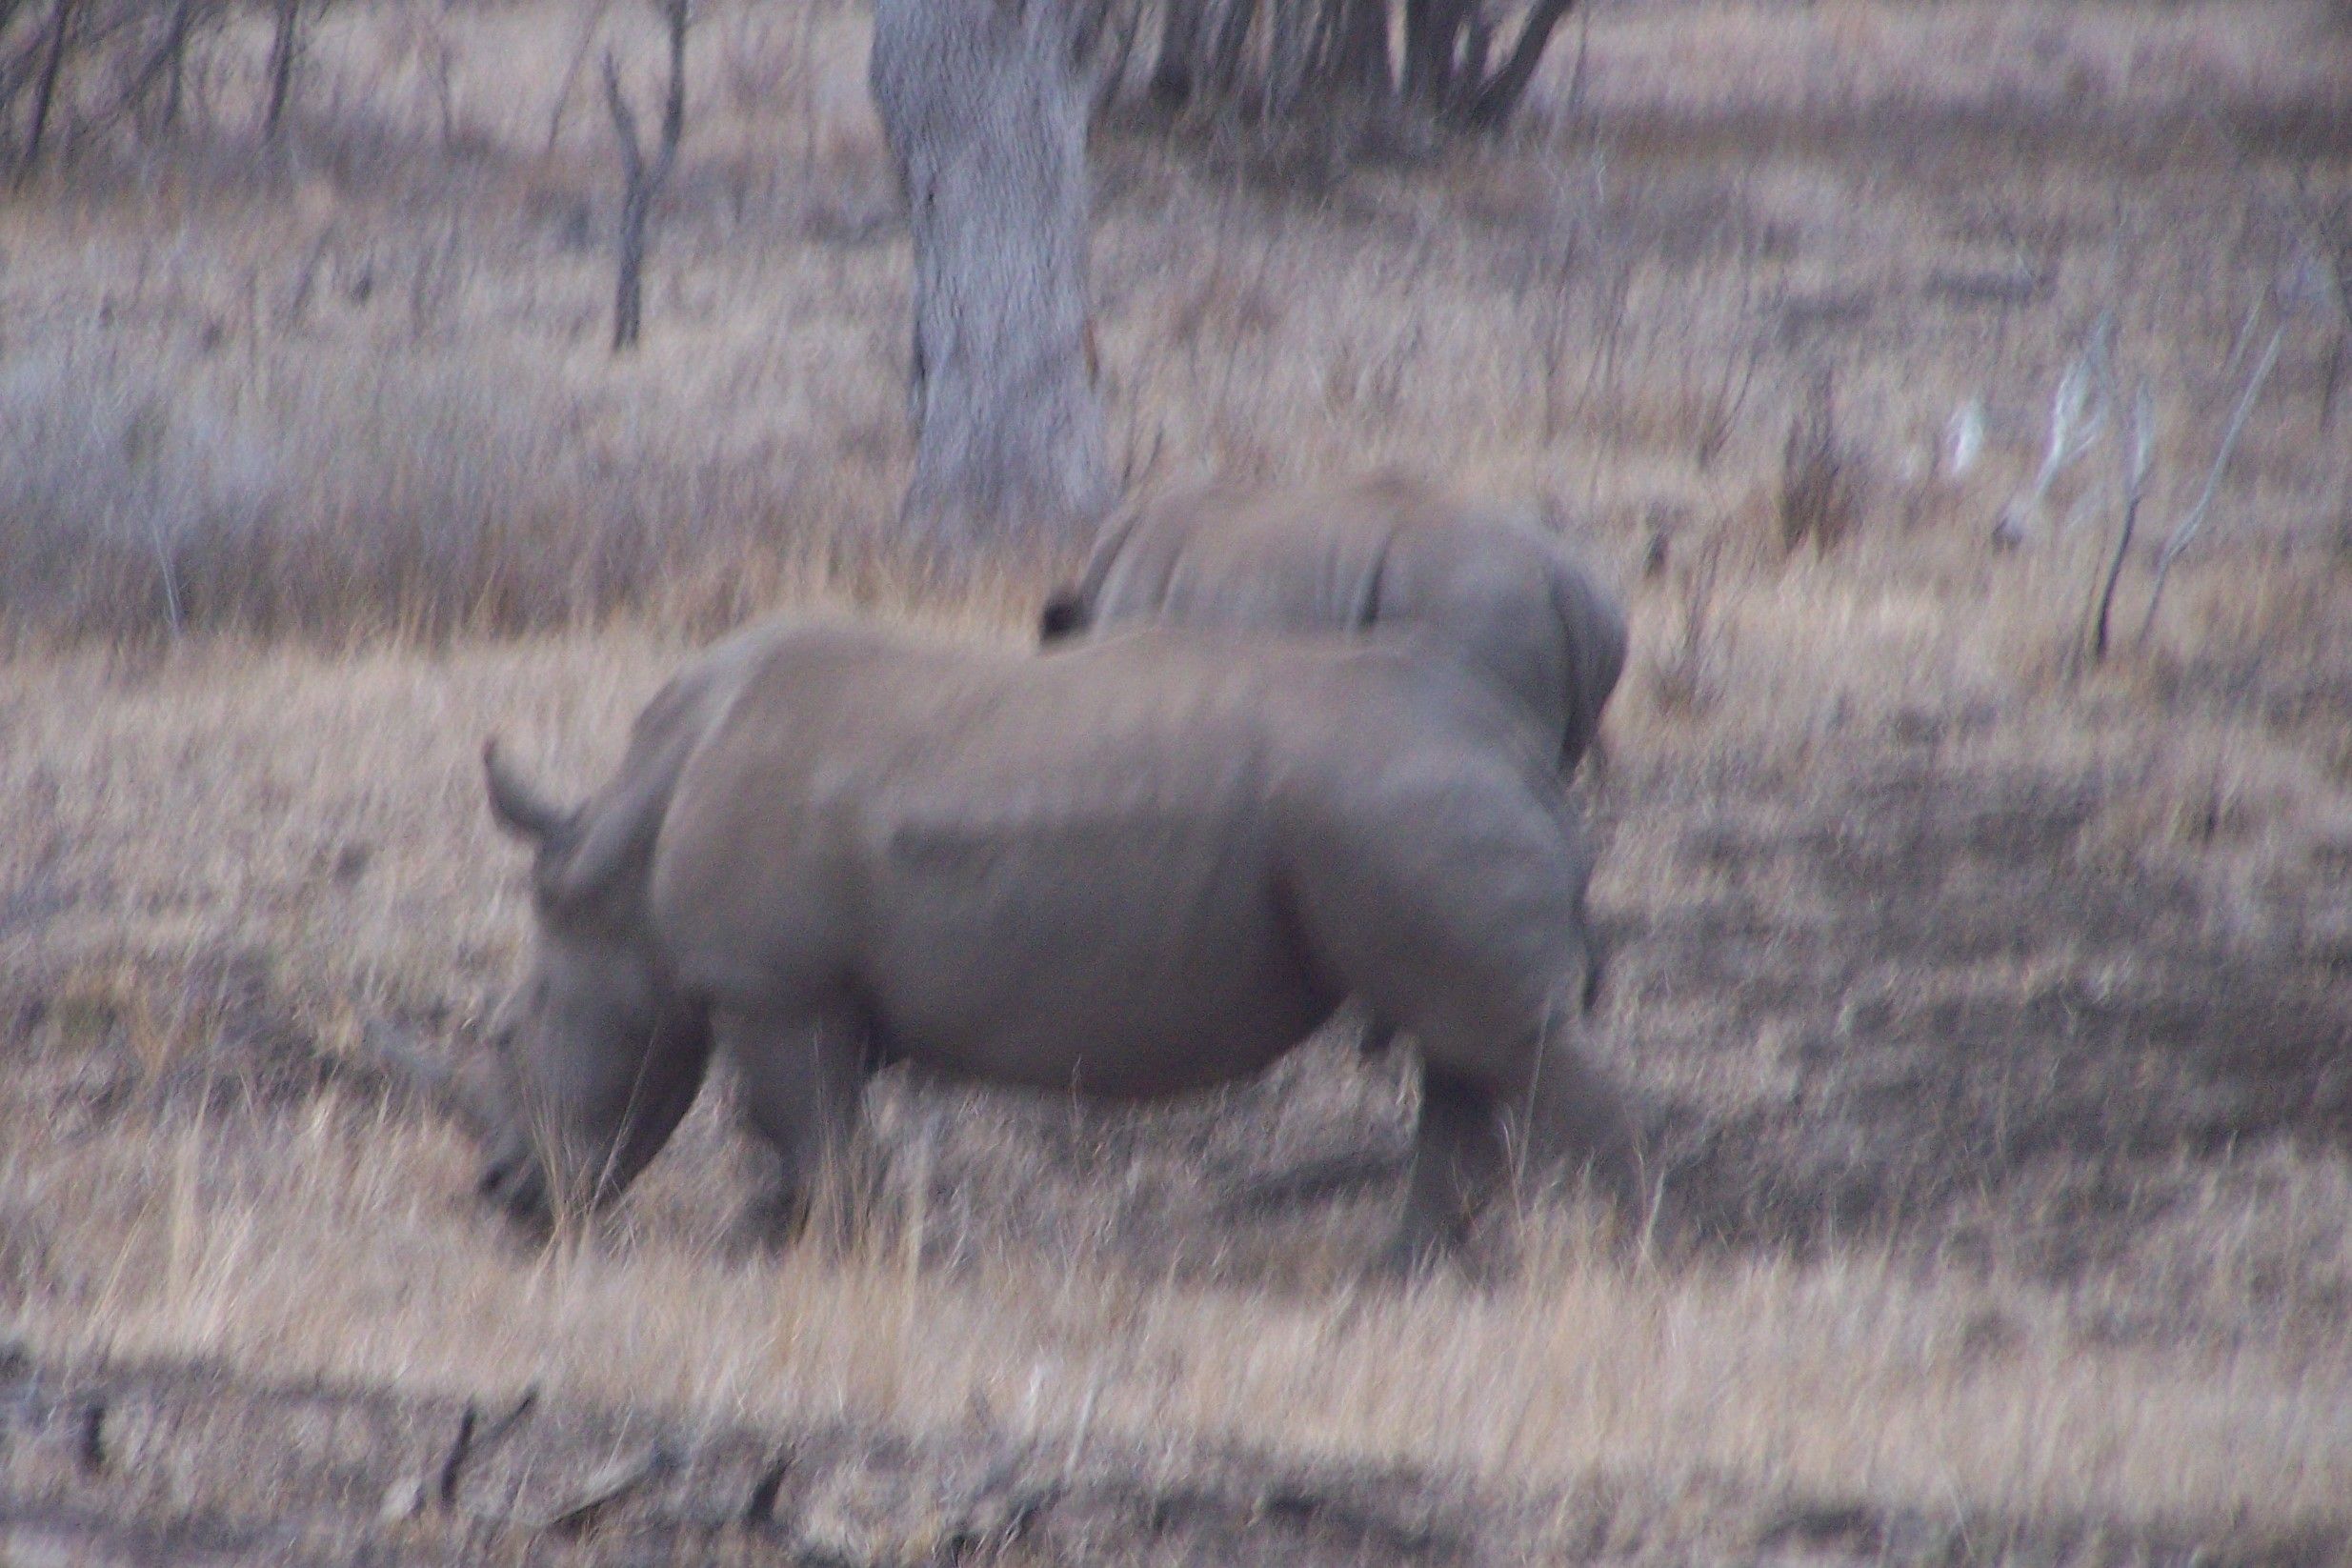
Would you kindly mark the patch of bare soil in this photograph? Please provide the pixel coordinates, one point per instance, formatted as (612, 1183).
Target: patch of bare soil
(1967, 1023)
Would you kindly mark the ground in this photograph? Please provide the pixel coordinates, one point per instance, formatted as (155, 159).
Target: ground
(1994, 1001)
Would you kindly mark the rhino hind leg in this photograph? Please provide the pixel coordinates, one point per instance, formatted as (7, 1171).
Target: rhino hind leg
(1479, 1139)
(1460, 1162)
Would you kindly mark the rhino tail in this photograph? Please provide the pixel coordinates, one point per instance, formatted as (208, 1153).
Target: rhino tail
(1589, 934)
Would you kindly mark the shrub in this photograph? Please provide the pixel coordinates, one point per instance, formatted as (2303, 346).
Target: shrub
(108, 491)
(328, 498)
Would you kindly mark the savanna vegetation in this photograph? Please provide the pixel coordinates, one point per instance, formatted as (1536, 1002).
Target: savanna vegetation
(1983, 921)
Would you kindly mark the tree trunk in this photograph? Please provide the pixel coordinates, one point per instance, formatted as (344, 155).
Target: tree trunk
(628, 276)
(1183, 30)
(1290, 57)
(641, 180)
(1432, 28)
(1361, 68)
(1498, 96)
(45, 91)
(985, 110)
(1228, 58)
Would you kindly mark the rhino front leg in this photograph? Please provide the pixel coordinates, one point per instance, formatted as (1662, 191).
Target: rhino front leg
(803, 1084)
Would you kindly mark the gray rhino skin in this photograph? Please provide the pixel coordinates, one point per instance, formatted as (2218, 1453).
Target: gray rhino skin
(1136, 867)
(1392, 552)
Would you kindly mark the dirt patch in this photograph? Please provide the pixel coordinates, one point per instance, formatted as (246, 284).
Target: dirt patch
(1914, 1002)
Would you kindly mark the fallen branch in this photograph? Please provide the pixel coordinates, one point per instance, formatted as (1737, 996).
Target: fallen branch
(474, 1440)
(406, 1498)
(607, 1486)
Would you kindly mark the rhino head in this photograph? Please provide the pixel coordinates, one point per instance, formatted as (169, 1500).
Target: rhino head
(599, 1059)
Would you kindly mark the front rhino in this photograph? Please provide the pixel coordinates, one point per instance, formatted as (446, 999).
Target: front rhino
(1389, 551)
(1145, 866)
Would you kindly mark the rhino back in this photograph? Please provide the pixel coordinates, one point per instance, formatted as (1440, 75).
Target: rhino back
(1229, 556)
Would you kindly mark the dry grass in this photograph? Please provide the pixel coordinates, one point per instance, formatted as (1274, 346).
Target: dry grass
(358, 396)
(1844, 1381)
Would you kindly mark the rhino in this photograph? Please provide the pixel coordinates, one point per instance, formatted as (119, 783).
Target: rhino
(1492, 587)
(1139, 866)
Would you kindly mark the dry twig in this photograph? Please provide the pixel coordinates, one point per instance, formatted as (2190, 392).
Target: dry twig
(2137, 455)
(2184, 534)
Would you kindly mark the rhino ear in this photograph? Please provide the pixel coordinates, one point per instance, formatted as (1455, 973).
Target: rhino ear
(519, 808)
(1064, 614)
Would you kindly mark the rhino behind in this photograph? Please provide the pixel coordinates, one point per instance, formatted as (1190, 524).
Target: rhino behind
(1136, 868)
(1490, 585)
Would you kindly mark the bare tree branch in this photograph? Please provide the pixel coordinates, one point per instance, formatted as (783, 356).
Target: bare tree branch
(45, 93)
(641, 180)
(2138, 453)
(572, 70)
(624, 122)
(2196, 519)
(1499, 95)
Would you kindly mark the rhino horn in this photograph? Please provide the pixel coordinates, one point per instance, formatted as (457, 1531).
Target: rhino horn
(518, 806)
